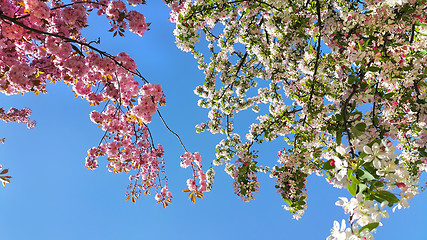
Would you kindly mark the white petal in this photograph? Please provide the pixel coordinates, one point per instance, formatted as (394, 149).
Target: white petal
(398, 206)
(341, 150)
(377, 164)
(343, 226)
(340, 175)
(367, 150)
(368, 203)
(359, 197)
(342, 236)
(404, 203)
(341, 202)
(377, 217)
(367, 235)
(384, 214)
(384, 141)
(383, 204)
(375, 148)
(336, 226)
(368, 158)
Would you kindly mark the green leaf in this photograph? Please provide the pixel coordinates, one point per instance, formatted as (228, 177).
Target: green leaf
(364, 175)
(352, 79)
(369, 226)
(361, 127)
(371, 170)
(389, 95)
(327, 165)
(362, 187)
(349, 173)
(382, 196)
(353, 187)
(373, 69)
(364, 85)
(390, 197)
(377, 184)
(356, 131)
(339, 136)
(354, 179)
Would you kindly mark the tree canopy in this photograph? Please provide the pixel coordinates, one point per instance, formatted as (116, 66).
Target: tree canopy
(342, 82)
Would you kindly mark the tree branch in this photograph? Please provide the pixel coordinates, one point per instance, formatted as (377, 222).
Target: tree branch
(102, 53)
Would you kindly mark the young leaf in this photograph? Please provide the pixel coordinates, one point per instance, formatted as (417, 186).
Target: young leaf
(390, 197)
(364, 175)
(362, 187)
(353, 187)
(361, 127)
(369, 226)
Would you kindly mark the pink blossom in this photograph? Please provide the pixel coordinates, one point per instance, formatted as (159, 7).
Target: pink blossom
(137, 23)
(91, 164)
(191, 184)
(115, 8)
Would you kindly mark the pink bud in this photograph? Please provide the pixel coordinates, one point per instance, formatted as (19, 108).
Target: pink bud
(402, 186)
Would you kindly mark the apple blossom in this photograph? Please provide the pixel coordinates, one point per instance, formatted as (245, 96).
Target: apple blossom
(342, 82)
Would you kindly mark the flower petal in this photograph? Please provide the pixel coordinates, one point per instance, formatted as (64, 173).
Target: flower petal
(367, 150)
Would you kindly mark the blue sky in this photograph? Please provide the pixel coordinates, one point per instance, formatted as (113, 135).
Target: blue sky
(52, 195)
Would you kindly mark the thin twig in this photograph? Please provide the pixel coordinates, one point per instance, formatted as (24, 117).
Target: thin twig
(170, 130)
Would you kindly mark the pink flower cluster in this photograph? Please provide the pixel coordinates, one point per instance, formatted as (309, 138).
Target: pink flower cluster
(195, 161)
(137, 23)
(16, 115)
(152, 96)
(117, 12)
(41, 42)
(163, 194)
(53, 50)
(115, 8)
(37, 8)
(175, 7)
(127, 148)
(136, 2)
(88, 74)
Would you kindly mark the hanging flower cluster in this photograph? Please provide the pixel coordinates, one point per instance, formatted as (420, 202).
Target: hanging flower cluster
(17, 115)
(196, 189)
